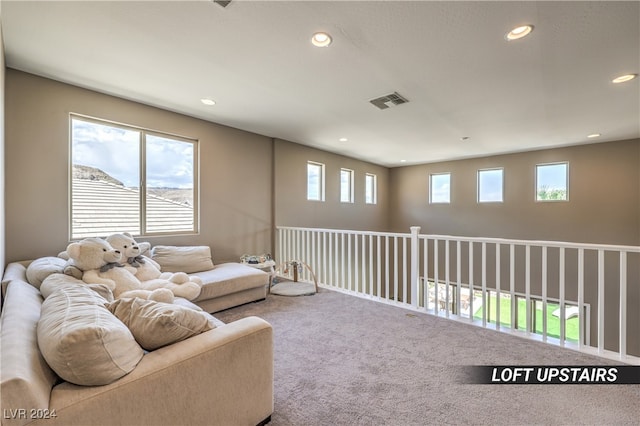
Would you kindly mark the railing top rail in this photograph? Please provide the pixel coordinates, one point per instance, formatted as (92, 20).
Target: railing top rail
(345, 231)
(556, 244)
(505, 241)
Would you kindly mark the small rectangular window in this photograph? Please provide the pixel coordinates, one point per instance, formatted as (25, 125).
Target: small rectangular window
(440, 188)
(490, 186)
(370, 188)
(346, 186)
(552, 182)
(315, 181)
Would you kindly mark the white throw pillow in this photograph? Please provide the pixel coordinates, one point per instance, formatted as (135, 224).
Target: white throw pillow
(156, 324)
(82, 341)
(187, 259)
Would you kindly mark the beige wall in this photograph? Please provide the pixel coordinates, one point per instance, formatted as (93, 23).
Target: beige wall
(235, 170)
(290, 191)
(604, 193)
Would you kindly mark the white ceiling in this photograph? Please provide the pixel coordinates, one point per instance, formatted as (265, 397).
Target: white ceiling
(449, 59)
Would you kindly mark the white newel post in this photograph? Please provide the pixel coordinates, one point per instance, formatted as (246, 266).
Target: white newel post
(415, 230)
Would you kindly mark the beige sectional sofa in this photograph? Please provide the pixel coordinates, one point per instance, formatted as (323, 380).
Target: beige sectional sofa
(219, 376)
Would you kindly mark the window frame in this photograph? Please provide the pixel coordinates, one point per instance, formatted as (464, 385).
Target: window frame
(142, 175)
(351, 194)
(491, 169)
(321, 181)
(431, 175)
(566, 179)
(373, 178)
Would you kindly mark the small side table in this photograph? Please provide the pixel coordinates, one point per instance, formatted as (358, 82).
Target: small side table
(267, 266)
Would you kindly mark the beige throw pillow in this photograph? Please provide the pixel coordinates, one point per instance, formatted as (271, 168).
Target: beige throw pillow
(41, 268)
(155, 324)
(82, 341)
(187, 259)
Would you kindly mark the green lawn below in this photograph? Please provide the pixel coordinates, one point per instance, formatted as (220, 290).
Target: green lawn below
(553, 322)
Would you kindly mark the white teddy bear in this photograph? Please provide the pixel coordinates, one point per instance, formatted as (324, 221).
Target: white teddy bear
(148, 271)
(100, 264)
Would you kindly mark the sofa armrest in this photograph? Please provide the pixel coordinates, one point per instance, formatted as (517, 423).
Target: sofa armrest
(222, 376)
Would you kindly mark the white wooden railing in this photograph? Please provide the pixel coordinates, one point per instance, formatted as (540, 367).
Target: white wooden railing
(470, 279)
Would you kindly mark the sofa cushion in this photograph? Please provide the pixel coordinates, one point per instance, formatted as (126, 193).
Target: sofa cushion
(155, 324)
(54, 281)
(26, 379)
(82, 341)
(227, 278)
(42, 267)
(187, 259)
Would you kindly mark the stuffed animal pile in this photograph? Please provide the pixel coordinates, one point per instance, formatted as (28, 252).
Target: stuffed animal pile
(148, 271)
(102, 263)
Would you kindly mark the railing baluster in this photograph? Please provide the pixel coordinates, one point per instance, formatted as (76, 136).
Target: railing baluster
(581, 331)
(355, 262)
(527, 286)
(544, 293)
(395, 268)
(459, 279)
(324, 257)
(512, 283)
(561, 283)
(600, 301)
(623, 305)
(498, 293)
(436, 277)
(342, 268)
(386, 268)
(484, 284)
(371, 282)
(446, 278)
(425, 280)
(471, 295)
(404, 269)
(379, 266)
(350, 269)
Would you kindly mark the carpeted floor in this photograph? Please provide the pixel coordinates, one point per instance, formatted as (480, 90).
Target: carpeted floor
(342, 360)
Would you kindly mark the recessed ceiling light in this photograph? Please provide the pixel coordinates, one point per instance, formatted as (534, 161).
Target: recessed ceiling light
(208, 101)
(403, 161)
(593, 135)
(518, 32)
(321, 39)
(624, 78)
(343, 139)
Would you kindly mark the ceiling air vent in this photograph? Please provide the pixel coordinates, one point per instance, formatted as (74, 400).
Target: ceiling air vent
(223, 3)
(384, 102)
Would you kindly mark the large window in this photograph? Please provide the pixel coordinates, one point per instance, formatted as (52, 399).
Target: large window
(126, 179)
(490, 186)
(552, 182)
(346, 186)
(440, 188)
(370, 188)
(315, 181)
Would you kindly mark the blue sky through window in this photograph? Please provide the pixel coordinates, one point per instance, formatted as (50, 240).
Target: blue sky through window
(116, 151)
(490, 186)
(440, 188)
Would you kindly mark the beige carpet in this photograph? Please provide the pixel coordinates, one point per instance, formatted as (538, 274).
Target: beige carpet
(341, 360)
